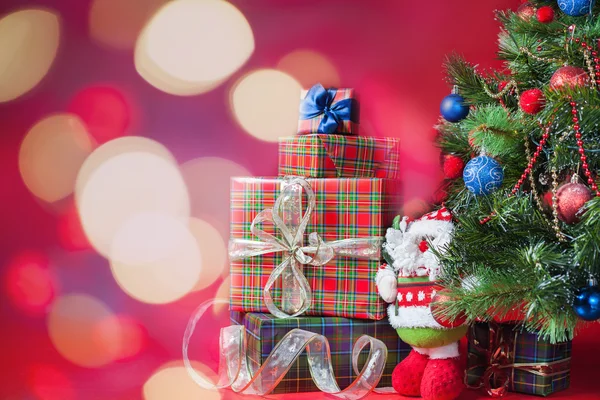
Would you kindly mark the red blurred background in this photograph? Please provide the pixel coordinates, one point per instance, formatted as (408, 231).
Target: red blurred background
(78, 74)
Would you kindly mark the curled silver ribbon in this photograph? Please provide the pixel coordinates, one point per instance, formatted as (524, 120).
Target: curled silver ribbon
(291, 223)
(236, 373)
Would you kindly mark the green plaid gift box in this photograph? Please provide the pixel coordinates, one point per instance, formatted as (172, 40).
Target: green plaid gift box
(264, 331)
(339, 156)
(535, 366)
(345, 208)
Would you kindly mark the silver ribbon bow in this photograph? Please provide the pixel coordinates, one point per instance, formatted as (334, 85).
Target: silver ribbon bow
(288, 219)
(242, 376)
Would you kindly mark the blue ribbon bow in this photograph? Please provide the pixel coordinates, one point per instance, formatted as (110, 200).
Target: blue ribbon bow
(319, 101)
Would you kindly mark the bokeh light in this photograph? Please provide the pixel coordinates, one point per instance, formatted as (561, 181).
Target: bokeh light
(29, 41)
(117, 23)
(213, 252)
(52, 153)
(222, 293)
(208, 181)
(122, 145)
(191, 46)
(265, 103)
(70, 232)
(30, 284)
(73, 323)
(130, 334)
(50, 383)
(133, 338)
(105, 111)
(109, 191)
(309, 67)
(173, 382)
(155, 258)
(162, 80)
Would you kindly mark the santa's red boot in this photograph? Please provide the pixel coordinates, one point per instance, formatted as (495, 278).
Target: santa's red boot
(407, 376)
(442, 380)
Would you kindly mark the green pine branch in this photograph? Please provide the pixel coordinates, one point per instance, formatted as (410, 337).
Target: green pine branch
(587, 241)
(515, 261)
(494, 130)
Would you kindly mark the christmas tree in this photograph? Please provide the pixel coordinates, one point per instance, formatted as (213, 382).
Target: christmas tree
(521, 153)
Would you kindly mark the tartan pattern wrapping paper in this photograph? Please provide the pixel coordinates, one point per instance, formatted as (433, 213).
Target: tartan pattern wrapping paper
(345, 208)
(264, 331)
(308, 126)
(339, 156)
(527, 348)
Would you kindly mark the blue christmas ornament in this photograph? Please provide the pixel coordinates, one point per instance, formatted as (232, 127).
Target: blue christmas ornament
(587, 303)
(483, 175)
(576, 8)
(453, 107)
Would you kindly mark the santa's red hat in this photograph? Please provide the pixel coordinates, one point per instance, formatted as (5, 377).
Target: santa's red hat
(433, 224)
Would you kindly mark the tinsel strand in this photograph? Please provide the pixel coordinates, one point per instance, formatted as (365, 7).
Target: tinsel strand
(555, 222)
(534, 190)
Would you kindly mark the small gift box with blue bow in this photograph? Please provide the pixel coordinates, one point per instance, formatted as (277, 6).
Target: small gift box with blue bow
(328, 111)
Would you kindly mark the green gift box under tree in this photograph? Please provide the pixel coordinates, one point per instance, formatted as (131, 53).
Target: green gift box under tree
(264, 331)
(503, 357)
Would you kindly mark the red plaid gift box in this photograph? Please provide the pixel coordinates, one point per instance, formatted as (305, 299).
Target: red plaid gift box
(345, 208)
(339, 156)
(345, 126)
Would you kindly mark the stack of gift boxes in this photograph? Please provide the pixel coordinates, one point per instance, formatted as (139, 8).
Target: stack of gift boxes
(357, 194)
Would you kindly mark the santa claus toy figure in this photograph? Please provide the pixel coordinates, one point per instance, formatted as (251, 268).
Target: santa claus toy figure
(408, 282)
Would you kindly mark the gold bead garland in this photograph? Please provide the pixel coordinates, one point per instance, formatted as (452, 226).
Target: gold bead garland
(534, 191)
(590, 66)
(525, 50)
(555, 222)
(589, 54)
(512, 84)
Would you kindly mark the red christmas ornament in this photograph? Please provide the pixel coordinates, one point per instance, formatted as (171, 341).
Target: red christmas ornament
(526, 11)
(453, 166)
(569, 76)
(545, 14)
(532, 101)
(547, 200)
(569, 200)
(442, 297)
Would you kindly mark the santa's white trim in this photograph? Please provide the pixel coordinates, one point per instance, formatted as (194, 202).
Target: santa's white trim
(440, 353)
(412, 317)
(387, 285)
(407, 253)
(432, 228)
(421, 350)
(383, 272)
